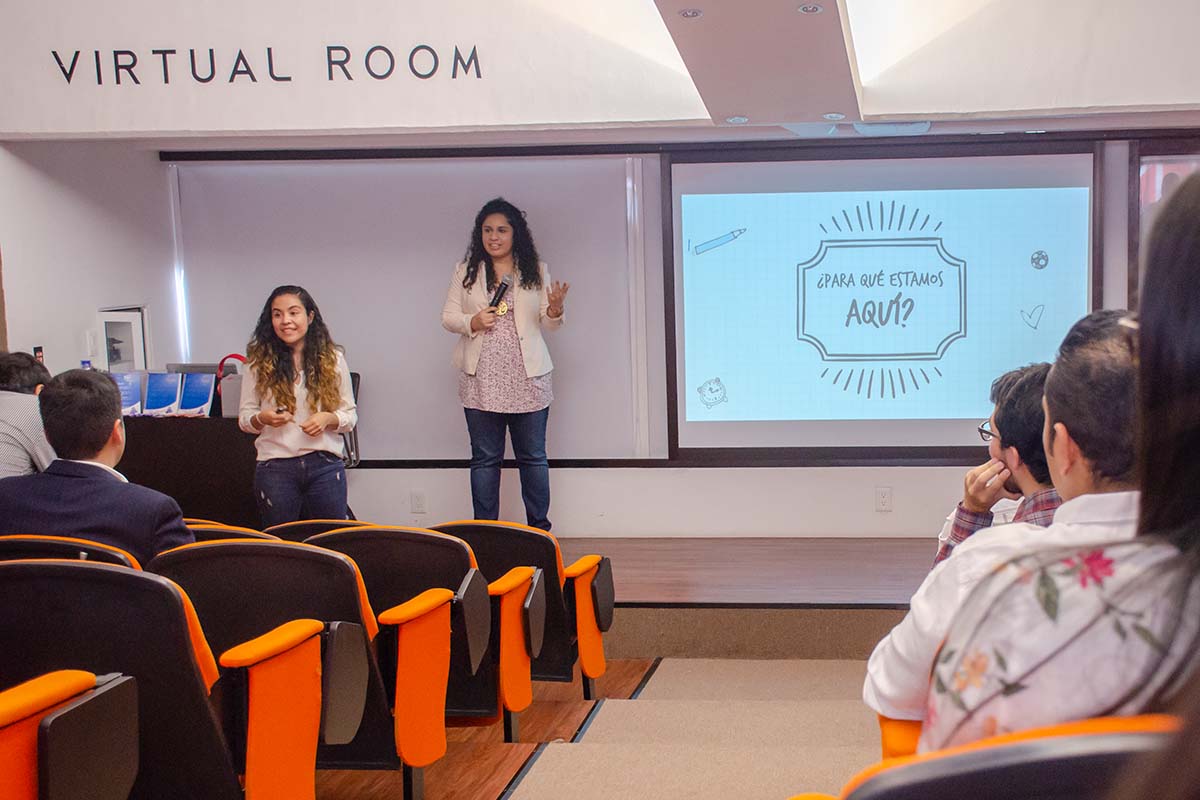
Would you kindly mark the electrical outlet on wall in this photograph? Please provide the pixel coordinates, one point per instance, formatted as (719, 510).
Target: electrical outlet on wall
(417, 502)
(883, 498)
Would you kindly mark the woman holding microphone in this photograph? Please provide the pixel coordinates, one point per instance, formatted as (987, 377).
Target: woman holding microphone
(296, 395)
(499, 299)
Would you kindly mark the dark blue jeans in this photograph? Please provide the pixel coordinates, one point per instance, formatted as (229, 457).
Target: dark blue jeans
(311, 486)
(528, 433)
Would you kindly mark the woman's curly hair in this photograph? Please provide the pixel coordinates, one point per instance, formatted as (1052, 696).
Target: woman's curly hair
(525, 254)
(271, 359)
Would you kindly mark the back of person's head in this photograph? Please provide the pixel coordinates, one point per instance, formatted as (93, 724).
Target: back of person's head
(1017, 395)
(1090, 390)
(79, 408)
(21, 372)
(1169, 371)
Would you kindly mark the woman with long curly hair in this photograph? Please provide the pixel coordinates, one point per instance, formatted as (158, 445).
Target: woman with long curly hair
(505, 379)
(297, 397)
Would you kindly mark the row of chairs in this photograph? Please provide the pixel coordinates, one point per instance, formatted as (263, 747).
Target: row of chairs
(396, 561)
(391, 683)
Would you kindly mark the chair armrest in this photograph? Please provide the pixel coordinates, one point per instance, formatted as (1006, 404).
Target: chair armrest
(590, 583)
(509, 581)
(270, 644)
(28, 698)
(422, 671)
(510, 593)
(280, 678)
(419, 606)
(581, 565)
(898, 737)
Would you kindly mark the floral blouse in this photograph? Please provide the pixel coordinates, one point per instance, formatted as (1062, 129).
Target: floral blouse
(499, 383)
(1064, 634)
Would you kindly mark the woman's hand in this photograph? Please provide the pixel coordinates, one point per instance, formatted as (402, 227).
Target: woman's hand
(484, 320)
(273, 418)
(556, 295)
(318, 422)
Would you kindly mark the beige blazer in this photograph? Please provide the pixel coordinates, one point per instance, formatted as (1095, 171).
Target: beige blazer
(462, 304)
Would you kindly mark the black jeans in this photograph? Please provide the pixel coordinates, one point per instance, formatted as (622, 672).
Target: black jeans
(528, 433)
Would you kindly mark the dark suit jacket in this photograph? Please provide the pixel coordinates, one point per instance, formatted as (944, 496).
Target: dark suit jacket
(88, 502)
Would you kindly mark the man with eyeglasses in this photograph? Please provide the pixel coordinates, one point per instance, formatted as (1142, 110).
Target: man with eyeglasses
(1088, 404)
(1017, 467)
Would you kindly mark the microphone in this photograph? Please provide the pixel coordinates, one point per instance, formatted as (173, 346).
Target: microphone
(501, 288)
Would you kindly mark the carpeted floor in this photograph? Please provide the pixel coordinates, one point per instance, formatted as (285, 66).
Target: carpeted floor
(711, 728)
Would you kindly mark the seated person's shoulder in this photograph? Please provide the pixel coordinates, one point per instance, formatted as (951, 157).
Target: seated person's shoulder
(991, 546)
(146, 495)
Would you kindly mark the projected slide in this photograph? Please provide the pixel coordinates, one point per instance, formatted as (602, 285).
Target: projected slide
(884, 305)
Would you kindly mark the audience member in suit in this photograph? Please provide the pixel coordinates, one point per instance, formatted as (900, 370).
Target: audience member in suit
(81, 493)
(1088, 439)
(23, 445)
(1016, 469)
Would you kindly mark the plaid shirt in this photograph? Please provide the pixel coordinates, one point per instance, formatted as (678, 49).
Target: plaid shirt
(1036, 509)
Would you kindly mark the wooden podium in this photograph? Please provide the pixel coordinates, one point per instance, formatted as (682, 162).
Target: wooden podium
(205, 463)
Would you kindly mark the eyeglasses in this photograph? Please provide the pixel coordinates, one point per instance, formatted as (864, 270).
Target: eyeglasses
(1129, 329)
(985, 431)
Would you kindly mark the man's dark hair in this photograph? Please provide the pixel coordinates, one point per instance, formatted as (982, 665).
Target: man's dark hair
(21, 372)
(78, 409)
(1017, 396)
(1091, 390)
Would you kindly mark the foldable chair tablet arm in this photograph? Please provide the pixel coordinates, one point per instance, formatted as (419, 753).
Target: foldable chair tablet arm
(589, 582)
(422, 670)
(279, 673)
(69, 734)
(472, 614)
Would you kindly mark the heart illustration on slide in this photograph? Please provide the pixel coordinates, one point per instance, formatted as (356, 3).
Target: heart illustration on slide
(1033, 318)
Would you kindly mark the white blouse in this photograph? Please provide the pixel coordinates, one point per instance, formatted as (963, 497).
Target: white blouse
(288, 441)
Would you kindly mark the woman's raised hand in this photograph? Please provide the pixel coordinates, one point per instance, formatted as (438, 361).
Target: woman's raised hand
(556, 295)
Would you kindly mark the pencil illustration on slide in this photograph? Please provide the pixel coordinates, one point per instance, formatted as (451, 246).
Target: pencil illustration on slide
(713, 244)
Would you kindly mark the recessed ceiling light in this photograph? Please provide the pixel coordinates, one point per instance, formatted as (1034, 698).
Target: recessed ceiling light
(810, 8)
(834, 116)
(691, 13)
(739, 120)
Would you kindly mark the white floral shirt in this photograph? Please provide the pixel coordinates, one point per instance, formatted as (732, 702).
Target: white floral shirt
(1062, 634)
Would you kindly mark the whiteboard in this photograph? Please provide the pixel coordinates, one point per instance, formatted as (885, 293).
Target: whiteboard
(375, 243)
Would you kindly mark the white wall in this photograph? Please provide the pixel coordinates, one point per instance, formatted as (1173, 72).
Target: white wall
(767, 502)
(84, 226)
(87, 225)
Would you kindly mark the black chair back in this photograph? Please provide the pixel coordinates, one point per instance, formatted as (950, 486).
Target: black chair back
(307, 528)
(59, 614)
(499, 547)
(399, 563)
(14, 548)
(213, 533)
(1051, 768)
(244, 589)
